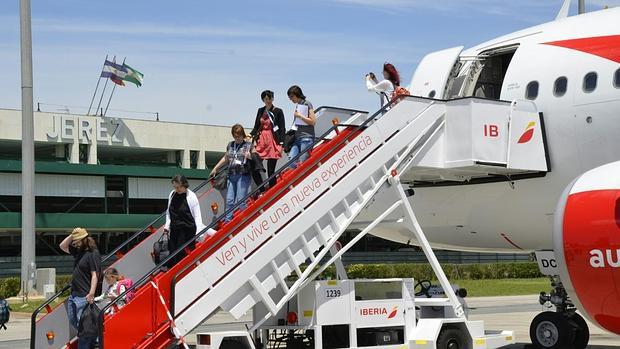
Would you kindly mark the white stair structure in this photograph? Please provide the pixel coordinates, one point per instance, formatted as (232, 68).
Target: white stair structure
(299, 221)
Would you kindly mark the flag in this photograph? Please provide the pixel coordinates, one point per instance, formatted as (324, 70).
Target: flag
(117, 81)
(114, 72)
(132, 75)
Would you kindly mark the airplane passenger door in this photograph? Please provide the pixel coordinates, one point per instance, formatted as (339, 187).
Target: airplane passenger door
(431, 76)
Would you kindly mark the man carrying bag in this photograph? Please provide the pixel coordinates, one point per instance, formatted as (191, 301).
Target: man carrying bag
(86, 280)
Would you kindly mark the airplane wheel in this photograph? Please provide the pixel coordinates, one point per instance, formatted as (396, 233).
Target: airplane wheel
(582, 332)
(551, 330)
(451, 338)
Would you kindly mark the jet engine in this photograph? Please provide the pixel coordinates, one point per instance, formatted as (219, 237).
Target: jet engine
(586, 241)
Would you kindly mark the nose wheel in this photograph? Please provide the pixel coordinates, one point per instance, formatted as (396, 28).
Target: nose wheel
(553, 330)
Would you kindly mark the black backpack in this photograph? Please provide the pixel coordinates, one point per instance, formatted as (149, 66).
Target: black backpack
(161, 250)
(89, 322)
(5, 313)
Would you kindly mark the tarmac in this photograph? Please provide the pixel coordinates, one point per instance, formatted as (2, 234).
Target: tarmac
(499, 313)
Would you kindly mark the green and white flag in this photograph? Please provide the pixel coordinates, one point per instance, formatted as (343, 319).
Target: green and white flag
(133, 76)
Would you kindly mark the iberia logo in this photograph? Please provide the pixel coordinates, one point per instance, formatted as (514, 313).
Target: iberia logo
(379, 311)
(528, 133)
(393, 313)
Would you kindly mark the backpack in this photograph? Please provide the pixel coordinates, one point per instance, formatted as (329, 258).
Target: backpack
(128, 283)
(289, 140)
(399, 93)
(89, 321)
(5, 313)
(160, 249)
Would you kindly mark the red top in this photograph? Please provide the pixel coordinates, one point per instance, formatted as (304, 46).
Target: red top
(266, 145)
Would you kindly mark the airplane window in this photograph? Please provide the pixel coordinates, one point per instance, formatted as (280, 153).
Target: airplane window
(531, 91)
(559, 88)
(589, 82)
(617, 79)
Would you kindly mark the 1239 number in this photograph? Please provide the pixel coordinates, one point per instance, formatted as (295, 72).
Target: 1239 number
(333, 293)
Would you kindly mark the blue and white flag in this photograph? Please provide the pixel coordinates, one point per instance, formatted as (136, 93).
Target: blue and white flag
(115, 72)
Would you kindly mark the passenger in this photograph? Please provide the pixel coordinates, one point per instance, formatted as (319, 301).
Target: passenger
(183, 218)
(268, 132)
(303, 125)
(85, 280)
(117, 284)
(389, 88)
(238, 153)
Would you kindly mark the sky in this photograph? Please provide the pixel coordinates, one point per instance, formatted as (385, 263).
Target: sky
(207, 61)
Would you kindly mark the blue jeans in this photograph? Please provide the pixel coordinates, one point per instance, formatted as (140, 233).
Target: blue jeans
(87, 342)
(238, 187)
(300, 145)
(76, 306)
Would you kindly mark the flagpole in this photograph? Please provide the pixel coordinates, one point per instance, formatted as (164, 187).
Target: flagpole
(96, 87)
(111, 94)
(102, 93)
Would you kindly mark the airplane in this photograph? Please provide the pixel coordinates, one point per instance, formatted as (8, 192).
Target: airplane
(570, 216)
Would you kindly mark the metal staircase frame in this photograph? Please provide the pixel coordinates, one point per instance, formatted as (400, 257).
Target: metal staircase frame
(426, 119)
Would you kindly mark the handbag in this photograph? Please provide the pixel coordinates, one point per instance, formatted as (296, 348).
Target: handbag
(220, 181)
(289, 140)
(161, 250)
(256, 163)
(89, 322)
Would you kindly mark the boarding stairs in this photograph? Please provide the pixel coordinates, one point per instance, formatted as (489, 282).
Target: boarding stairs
(299, 220)
(133, 256)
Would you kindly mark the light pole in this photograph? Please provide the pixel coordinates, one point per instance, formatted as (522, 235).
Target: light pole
(28, 266)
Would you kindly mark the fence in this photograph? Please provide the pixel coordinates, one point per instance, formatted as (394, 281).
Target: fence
(454, 257)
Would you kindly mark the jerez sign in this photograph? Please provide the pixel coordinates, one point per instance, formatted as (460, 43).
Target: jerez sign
(85, 129)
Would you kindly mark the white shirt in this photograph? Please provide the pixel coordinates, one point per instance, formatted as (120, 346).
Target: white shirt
(384, 86)
(194, 207)
(111, 293)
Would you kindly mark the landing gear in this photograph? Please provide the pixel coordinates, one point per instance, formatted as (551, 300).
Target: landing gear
(562, 329)
(551, 330)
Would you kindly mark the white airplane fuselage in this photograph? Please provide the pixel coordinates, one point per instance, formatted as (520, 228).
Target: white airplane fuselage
(582, 132)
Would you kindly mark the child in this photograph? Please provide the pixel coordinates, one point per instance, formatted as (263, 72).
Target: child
(117, 285)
